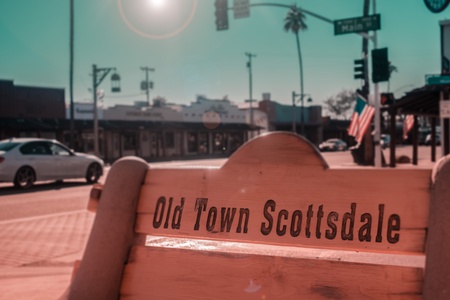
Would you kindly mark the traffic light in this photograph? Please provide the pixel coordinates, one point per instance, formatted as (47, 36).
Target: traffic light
(387, 98)
(360, 68)
(221, 14)
(380, 65)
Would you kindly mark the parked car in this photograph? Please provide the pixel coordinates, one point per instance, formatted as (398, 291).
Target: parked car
(26, 160)
(428, 139)
(385, 140)
(333, 145)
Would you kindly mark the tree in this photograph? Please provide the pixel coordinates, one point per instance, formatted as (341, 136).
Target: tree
(341, 106)
(392, 69)
(295, 21)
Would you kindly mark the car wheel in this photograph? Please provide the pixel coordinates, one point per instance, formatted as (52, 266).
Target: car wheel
(24, 178)
(93, 173)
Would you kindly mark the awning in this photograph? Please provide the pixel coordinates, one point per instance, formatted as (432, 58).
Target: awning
(422, 101)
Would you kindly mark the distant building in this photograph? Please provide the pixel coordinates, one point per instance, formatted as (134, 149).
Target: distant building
(30, 111)
(280, 117)
(204, 128)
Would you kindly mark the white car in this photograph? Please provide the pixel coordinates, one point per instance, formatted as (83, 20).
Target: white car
(333, 145)
(26, 160)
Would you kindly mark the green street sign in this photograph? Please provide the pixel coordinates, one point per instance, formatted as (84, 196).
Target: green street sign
(437, 79)
(355, 25)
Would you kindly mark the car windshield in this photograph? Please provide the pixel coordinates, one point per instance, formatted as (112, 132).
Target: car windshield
(7, 146)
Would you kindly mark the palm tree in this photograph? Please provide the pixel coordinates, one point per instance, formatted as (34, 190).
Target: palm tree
(295, 21)
(392, 69)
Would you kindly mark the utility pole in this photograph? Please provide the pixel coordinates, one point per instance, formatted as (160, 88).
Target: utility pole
(249, 66)
(95, 83)
(147, 84)
(72, 126)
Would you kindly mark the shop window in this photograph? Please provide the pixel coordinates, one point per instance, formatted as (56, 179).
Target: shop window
(220, 142)
(203, 143)
(129, 141)
(192, 142)
(235, 140)
(170, 140)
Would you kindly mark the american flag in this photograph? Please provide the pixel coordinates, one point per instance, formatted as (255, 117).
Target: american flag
(408, 123)
(361, 118)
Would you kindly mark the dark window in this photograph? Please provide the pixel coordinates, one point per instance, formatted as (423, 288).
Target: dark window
(170, 140)
(129, 141)
(7, 146)
(36, 148)
(220, 142)
(203, 143)
(192, 142)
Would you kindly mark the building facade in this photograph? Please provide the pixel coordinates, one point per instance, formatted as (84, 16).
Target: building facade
(204, 128)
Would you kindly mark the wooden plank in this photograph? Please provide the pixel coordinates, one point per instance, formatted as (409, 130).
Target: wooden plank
(100, 273)
(279, 190)
(156, 273)
(437, 275)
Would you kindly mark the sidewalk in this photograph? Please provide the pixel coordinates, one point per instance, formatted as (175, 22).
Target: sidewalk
(37, 254)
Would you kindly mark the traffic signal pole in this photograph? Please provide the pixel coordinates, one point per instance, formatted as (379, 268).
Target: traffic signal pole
(376, 90)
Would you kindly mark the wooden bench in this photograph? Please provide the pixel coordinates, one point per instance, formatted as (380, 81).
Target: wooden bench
(274, 222)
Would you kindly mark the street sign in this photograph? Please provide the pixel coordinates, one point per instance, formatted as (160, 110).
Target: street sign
(355, 25)
(437, 79)
(241, 9)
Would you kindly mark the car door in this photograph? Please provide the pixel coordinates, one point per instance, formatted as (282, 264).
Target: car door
(38, 155)
(66, 164)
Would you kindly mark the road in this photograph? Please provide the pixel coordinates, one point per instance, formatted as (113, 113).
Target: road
(54, 198)
(47, 198)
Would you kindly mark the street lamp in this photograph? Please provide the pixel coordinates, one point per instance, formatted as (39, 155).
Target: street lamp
(98, 74)
(302, 112)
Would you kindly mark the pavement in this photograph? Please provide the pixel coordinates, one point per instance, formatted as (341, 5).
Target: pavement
(37, 254)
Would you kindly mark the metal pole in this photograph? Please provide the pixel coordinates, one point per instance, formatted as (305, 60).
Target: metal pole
(94, 91)
(249, 65)
(378, 154)
(294, 127)
(302, 121)
(72, 126)
(147, 91)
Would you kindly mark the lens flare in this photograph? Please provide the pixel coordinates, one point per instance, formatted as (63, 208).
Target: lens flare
(157, 19)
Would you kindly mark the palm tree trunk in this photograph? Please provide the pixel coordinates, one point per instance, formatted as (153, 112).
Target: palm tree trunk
(300, 64)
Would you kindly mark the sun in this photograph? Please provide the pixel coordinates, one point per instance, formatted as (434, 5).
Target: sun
(156, 3)
(160, 19)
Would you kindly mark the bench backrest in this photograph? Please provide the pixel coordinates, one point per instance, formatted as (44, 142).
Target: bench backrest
(274, 222)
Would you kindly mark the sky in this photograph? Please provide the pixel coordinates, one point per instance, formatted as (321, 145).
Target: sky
(179, 40)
